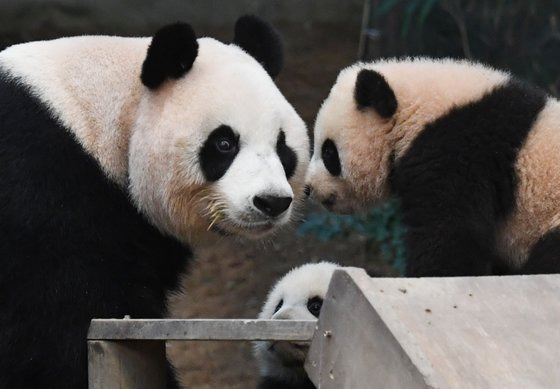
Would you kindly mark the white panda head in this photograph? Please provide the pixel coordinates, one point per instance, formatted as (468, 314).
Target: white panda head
(373, 114)
(216, 146)
(298, 295)
(349, 168)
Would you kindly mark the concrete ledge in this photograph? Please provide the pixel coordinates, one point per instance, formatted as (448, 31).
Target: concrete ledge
(200, 329)
(474, 332)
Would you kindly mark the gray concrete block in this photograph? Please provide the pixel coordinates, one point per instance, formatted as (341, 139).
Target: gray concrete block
(473, 332)
(126, 365)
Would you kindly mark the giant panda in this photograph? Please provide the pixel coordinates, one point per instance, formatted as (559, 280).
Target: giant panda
(298, 295)
(118, 154)
(472, 153)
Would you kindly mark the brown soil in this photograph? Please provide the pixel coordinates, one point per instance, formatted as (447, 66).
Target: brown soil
(231, 279)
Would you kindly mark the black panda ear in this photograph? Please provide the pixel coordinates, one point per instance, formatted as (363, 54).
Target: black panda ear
(261, 41)
(170, 55)
(372, 90)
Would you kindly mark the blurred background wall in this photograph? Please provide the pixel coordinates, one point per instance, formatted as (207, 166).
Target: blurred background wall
(24, 20)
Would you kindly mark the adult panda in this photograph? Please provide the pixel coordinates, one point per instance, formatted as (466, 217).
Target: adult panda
(472, 153)
(115, 155)
(298, 295)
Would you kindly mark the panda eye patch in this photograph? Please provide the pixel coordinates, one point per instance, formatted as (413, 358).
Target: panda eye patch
(218, 152)
(330, 157)
(314, 305)
(288, 157)
(278, 306)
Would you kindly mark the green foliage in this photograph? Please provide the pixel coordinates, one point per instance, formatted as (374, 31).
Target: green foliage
(382, 227)
(411, 7)
(522, 36)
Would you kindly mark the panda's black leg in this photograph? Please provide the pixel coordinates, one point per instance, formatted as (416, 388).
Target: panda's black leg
(275, 383)
(447, 250)
(544, 257)
(172, 381)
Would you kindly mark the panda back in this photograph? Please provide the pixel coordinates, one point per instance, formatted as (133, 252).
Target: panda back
(89, 84)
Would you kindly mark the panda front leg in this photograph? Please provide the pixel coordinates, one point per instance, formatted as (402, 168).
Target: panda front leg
(274, 383)
(172, 380)
(544, 257)
(448, 249)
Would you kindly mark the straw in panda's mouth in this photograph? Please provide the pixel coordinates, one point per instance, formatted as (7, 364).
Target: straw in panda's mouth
(216, 217)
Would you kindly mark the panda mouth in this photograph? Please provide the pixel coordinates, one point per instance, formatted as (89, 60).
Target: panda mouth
(261, 227)
(226, 227)
(289, 353)
(257, 230)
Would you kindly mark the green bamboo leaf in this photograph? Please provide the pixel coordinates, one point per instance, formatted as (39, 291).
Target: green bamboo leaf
(409, 11)
(384, 7)
(425, 11)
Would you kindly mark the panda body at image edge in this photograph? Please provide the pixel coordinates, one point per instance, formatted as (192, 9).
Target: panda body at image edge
(117, 154)
(471, 153)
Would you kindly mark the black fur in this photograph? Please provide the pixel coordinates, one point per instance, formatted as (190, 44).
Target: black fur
(272, 206)
(331, 160)
(457, 181)
(274, 383)
(287, 156)
(261, 41)
(373, 91)
(314, 305)
(72, 247)
(279, 305)
(544, 256)
(214, 163)
(170, 55)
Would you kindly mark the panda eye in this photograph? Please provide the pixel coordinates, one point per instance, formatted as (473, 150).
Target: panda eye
(225, 145)
(218, 152)
(329, 154)
(278, 306)
(314, 305)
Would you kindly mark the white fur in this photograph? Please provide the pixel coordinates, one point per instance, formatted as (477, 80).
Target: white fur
(148, 141)
(294, 289)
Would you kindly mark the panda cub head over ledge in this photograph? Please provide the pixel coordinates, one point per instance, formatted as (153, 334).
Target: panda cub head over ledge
(298, 295)
(194, 129)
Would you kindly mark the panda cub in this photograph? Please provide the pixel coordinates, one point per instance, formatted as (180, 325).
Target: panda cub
(472, 153)
(297, 296)
(116, 155)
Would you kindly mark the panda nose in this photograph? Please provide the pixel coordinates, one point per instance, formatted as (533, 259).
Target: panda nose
(272, 205)
(329, 202)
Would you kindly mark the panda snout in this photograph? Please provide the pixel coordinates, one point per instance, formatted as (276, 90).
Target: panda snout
(329, 202)
(272, 206)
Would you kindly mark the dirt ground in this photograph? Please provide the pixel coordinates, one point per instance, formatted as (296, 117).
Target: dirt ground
(231, 279)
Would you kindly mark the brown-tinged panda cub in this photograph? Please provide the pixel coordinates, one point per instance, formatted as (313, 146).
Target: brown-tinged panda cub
(472, 153)
(296, 296)
(116, 155)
